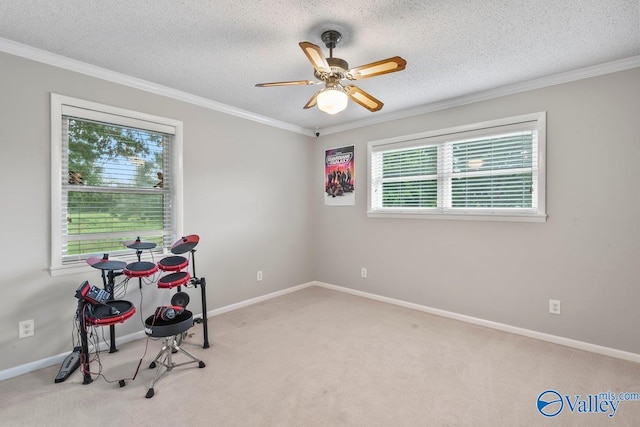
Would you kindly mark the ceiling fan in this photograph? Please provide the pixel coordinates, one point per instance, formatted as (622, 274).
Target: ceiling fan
(332, 71)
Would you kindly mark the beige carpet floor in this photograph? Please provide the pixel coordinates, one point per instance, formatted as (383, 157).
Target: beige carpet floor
(318, 357)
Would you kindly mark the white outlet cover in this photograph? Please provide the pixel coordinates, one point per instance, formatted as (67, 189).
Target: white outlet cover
(25, 329)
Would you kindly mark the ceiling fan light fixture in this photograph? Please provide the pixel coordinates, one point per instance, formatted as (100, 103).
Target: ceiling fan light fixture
(332, 100)
(332, 71)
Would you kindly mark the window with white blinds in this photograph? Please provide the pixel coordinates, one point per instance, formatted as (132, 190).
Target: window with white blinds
(491, 170)
(115, 179)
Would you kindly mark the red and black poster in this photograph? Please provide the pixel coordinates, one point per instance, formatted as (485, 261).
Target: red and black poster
(339, 178)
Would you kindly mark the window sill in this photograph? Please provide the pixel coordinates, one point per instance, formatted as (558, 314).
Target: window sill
(461, 216)
(67, 269)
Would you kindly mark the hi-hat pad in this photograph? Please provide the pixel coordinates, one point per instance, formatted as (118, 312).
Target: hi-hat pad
(180, 299)
(138, 244)
(105, 263)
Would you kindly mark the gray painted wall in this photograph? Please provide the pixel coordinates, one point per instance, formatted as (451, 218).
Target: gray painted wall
(245, 193)
(254, 195)
(587, 254)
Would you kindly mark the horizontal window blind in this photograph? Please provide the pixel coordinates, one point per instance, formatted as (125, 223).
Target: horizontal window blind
(489, 169)
(492, 172)
(408, 178)
(116, 186)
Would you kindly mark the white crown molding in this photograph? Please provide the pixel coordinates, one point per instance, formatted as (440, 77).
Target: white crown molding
(539, 83)
(63, 62)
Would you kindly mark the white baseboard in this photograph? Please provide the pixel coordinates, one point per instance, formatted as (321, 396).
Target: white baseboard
(567, 342)
(580, 345)
(256, 300)
(59, 358)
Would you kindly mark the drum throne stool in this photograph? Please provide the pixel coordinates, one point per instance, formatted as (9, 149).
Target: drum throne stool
(170, 328)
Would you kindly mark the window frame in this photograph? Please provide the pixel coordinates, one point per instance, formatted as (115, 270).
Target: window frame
(444, 136)
(62, 105)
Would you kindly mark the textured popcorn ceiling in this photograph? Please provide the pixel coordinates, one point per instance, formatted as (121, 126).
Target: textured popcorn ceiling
(219, 49)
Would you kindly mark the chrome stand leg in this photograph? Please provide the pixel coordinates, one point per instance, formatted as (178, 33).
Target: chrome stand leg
(164, 360)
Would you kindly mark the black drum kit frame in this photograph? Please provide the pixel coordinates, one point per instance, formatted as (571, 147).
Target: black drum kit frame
(99, 307)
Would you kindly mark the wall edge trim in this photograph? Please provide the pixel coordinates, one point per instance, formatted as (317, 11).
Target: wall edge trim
(555, 339)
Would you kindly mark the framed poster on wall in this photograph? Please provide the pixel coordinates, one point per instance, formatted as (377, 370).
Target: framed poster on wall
(339, 177)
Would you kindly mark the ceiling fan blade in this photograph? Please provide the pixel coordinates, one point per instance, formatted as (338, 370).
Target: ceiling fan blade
(316, 57)
(311, 102)
(363, 98)
(389, 65)
(291, 83)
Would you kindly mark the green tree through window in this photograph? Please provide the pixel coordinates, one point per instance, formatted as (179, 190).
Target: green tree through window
(115, 185)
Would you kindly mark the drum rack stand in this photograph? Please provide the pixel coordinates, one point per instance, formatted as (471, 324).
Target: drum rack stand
(84, 345)
(196, 281)
(97, 313)
(109, 283)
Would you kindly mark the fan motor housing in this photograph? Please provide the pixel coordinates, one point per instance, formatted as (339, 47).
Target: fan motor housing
(338, 69)
(338, 63)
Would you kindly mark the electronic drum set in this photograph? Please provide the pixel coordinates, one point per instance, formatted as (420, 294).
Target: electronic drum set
(99, 308)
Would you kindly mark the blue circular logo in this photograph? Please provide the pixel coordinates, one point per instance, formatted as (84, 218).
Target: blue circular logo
(550, 403)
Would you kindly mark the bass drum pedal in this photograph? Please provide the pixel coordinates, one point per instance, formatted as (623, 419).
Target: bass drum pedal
(70, 364)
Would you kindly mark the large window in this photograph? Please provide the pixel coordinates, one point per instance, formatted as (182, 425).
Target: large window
(116, 177)
(491, 170)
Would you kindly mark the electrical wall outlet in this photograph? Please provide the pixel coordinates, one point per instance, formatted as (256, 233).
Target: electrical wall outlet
(554, 306)
(259, 276)
(363, 272)
(26, 328)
